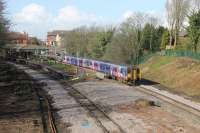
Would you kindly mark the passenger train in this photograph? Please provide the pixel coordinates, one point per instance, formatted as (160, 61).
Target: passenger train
(117, 72)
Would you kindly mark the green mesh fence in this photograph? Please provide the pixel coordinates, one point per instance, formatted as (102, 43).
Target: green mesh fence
(190, 54)
(174, 53)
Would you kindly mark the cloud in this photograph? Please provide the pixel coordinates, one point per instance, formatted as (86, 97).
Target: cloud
(127, 14)
(33, 13)
(36, 20)
(70, 17)
(72, 14)
(69, 14)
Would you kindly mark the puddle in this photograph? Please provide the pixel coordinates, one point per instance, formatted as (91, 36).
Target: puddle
(85, 124)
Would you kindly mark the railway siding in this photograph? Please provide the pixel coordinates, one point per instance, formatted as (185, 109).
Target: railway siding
(179, 99)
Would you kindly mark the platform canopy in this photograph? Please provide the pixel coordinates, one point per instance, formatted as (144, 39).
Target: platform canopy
(22, 47)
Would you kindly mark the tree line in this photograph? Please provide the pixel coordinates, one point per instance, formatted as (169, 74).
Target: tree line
(137, 35)
(119, 44)
(4, 24)
(183, 15)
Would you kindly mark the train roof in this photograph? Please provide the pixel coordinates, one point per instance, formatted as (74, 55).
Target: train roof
(99, 61)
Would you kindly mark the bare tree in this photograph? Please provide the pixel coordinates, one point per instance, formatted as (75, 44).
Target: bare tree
(170, 20)
(153, 21)
(88, 41)
(130, 34)
(139, 20)
(176, 13)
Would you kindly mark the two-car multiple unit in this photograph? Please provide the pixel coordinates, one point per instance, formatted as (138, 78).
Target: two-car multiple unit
(118, 72)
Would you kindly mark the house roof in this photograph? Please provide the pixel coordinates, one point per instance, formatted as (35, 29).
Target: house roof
(55, 32)
(27, 47)
(17, 35)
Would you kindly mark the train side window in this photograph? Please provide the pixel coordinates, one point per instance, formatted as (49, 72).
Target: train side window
(122, 71)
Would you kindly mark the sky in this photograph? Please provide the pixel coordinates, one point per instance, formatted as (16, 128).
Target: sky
(37, 17)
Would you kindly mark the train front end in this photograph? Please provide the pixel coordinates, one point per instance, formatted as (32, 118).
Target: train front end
(134, 75)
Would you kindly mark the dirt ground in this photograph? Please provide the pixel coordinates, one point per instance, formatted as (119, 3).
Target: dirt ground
(146, 112)
(157, 119)
(19, 106)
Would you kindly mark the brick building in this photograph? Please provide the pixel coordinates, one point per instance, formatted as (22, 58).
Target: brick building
(55, 38)
(18, 38)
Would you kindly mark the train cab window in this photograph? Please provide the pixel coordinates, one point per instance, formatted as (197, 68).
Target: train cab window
(138, 70)
(129, 70)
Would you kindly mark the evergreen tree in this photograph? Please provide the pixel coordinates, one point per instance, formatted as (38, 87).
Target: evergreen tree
(4, 24)
(194, 29)
(165, 40)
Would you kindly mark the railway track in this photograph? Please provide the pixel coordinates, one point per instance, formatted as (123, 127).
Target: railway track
(106, 123)
(48, 123)
(50, 118)
(103, 120)
(42, 111)
(171, 100)
(47, 119)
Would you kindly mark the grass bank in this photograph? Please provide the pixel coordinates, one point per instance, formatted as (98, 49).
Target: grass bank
(180, 75)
